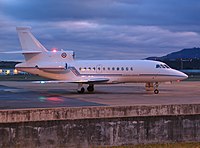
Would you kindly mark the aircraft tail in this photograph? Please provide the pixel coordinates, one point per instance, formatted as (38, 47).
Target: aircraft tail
(28, 41)
(30, 45)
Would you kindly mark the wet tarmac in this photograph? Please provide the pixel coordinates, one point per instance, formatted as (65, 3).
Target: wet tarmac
(18, 97)
(14, 95)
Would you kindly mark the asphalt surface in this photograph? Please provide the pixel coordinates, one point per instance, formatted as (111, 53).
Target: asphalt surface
(18, 94)
(14, 95)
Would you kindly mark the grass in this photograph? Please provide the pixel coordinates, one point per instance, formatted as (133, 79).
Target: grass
(166, 145)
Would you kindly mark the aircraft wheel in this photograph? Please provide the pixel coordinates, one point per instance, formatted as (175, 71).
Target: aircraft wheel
(90, 88)
(156, 91)
(81, 91)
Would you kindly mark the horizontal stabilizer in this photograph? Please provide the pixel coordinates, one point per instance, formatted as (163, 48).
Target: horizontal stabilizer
(23, 52)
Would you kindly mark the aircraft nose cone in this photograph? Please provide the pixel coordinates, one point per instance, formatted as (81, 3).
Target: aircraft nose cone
(183, 75)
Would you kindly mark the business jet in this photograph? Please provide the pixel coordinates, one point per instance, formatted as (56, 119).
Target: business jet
(61, 67)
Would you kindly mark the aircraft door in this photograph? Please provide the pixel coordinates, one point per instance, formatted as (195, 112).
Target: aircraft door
(98, 68)
(66, 66)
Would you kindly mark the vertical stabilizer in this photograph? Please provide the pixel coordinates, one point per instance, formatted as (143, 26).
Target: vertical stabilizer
(28, 41)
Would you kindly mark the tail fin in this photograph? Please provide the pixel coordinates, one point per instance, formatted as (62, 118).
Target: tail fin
(32, 49)
(28, 42)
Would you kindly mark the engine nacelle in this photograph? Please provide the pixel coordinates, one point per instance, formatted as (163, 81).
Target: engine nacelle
(51, 61)
(61, 55)
(52, 67)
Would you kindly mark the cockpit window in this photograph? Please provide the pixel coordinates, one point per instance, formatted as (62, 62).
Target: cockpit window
(167, 66)
(158, 66)
(162, 66)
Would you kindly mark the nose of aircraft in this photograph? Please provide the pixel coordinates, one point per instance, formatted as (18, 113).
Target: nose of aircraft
(181, 75)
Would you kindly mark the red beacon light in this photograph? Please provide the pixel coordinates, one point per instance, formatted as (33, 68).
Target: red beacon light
(54, 49)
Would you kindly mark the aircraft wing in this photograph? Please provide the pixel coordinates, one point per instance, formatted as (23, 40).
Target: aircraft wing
(84, 81)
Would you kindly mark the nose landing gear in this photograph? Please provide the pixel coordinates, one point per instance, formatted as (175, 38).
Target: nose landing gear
(156, 91)
(152, 87)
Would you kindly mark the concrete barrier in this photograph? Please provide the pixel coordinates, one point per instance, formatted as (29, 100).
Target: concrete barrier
(48, 114)
(99, 126)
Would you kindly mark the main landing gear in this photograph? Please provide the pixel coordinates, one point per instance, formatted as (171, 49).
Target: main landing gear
(90, 88)
(152, 87)
(81, 89)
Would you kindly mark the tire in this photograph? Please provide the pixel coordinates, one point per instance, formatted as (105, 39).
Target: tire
(81, 91)
(156, 91)
(90, 88)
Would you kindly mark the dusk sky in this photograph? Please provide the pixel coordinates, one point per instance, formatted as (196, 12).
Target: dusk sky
(103, 29)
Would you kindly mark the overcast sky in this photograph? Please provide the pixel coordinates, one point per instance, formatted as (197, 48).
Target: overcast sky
(103, 29)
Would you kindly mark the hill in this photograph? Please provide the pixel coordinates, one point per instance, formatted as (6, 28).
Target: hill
(189, 53)
(184, 59)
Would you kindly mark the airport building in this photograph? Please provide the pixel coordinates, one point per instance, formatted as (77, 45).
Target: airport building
(10, 71)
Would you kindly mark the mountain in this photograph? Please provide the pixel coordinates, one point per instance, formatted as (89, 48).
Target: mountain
(189, 53)
(184, 59)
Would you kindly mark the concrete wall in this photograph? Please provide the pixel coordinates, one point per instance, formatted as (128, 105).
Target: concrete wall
(111, 126)
(48, 114)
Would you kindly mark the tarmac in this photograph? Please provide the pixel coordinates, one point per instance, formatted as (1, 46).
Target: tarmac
(20, 95)
(54, 115)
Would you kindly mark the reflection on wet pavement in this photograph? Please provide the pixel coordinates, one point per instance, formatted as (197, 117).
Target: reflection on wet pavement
(13, 98)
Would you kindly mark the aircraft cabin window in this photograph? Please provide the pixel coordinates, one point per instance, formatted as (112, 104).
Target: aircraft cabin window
(117, 68)
(126, 68)
(122, 68)
(108, 68)
(113, 68)
(99, 68)
(80, 68)
(104, 68)
(131, 68)
(93, 68)
(89, 68)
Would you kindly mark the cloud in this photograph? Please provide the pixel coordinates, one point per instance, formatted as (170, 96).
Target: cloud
(114, 29)
(144, 12)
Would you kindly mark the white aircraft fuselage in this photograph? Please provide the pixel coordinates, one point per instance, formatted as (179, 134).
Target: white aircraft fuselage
(117, 71)
(63, 68)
